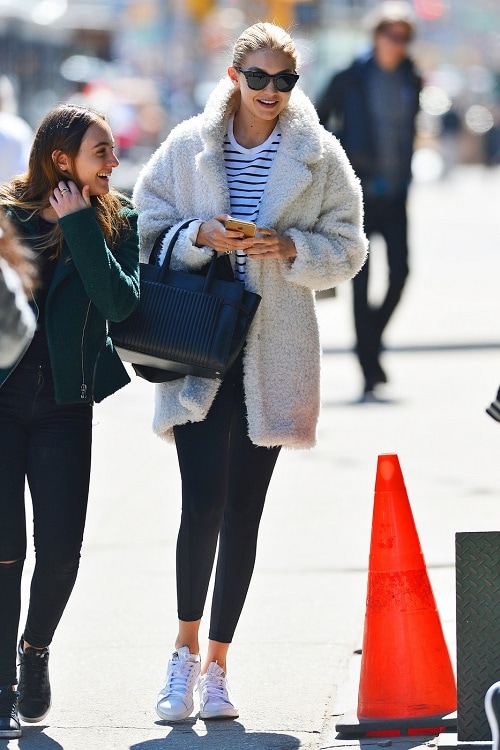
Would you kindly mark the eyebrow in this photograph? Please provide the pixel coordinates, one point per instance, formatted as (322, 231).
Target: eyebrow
(259, 70)
(103, 143)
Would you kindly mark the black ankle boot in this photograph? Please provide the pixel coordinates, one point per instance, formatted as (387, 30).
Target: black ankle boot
(10, 727)
(34, 685)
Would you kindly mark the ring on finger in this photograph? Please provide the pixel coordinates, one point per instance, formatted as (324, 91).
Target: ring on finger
(64, 190)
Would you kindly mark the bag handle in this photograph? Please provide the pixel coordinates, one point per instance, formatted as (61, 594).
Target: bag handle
(155, 251)
(168, 255)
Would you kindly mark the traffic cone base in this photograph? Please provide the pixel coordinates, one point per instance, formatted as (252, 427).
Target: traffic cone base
(351, 726)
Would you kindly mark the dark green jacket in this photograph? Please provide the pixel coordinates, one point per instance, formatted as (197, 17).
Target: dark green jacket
(91, 285)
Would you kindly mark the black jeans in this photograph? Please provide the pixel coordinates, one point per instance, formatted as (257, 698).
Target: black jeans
(50, 446)
(385, 216)
(225, 478)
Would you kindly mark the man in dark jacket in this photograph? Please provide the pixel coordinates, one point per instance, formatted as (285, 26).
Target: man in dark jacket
(372, 106)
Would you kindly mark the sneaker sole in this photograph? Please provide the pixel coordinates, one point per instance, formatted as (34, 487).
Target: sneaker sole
(180, 717)
(10, 734)
(214, 716)
(35, 719)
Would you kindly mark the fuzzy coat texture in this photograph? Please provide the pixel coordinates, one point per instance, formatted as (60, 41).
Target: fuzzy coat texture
(312, 195)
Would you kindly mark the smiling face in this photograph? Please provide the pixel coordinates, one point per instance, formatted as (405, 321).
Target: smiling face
(267, 103)
(95, 160)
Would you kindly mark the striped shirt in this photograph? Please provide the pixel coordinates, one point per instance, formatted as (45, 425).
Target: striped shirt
(247, 170)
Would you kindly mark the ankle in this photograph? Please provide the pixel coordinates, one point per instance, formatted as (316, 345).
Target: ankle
(25, 645)
(194, 648)
(220, 663)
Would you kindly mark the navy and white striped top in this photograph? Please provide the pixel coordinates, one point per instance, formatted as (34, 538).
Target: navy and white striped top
(247, 170)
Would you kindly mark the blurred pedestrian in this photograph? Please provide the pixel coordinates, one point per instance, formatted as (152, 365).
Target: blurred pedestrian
(85, 237)
(494, 408)
(257, 153)
(449, 140)
(372, 106)
(16, 135)
(17, 320)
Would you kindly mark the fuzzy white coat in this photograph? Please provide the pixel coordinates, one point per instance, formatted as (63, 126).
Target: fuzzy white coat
(313, 196)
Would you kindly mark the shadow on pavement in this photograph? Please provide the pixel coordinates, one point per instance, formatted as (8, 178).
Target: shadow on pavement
(35, 739)
(222, 735)
(367, 399)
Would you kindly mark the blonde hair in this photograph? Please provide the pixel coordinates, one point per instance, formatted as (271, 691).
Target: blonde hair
(263, 36)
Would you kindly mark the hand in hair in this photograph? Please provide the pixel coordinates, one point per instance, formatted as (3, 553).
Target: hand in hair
(66, 198)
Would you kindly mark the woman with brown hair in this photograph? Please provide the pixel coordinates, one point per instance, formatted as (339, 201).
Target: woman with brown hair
(84, 235)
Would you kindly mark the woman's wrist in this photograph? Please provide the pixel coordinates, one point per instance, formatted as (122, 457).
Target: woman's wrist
(193, 231)
(290, 250)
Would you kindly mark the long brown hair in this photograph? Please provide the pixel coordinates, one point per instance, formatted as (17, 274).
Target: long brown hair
(62, 129)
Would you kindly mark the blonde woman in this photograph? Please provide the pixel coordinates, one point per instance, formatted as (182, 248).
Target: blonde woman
(256, 153)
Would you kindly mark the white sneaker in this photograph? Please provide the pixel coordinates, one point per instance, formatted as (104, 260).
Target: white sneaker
(175, 699)
(215, 702)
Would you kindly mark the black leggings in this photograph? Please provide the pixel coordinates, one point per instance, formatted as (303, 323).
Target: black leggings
(224, 483)
(50, 445)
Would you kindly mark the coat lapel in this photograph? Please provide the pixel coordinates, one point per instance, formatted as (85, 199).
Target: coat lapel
(214, 182)
(287, 179)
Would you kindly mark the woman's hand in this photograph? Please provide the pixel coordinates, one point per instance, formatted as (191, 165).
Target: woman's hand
(66, 198)
(214, 234)
(268, 244)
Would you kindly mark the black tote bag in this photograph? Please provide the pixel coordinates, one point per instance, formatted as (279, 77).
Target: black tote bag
(184, 323)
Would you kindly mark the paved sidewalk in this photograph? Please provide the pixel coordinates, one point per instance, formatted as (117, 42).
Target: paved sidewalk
(292, 667)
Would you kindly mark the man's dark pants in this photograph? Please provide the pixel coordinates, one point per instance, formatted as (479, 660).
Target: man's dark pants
(386, 216)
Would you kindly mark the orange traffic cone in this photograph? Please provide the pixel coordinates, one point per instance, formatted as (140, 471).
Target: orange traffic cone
(407, 685)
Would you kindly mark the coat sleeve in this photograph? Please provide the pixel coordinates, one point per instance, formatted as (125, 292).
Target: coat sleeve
(110, 277)
(160, 202)
(335, 249)
(153, 197)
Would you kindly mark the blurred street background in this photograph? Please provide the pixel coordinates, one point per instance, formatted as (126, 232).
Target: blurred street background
(151, 63)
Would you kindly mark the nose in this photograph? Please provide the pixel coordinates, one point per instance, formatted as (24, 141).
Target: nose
(113, 160)
(271, 86)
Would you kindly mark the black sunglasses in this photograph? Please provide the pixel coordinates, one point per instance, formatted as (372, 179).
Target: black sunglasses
(258, 80)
